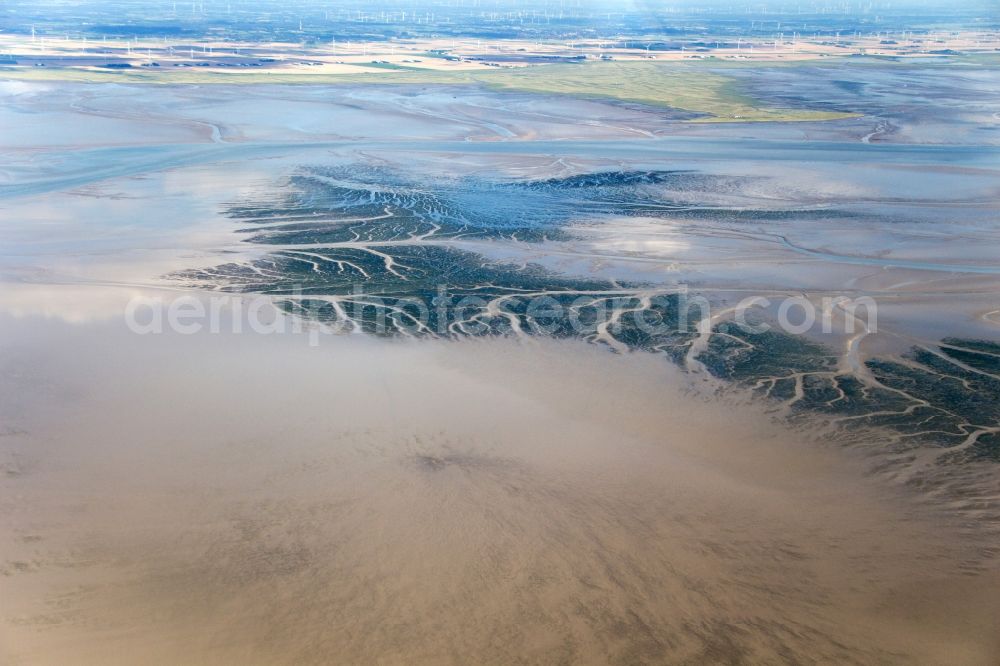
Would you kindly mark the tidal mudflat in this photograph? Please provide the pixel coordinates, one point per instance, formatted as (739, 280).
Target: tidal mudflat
(491, 500)
(487, 483)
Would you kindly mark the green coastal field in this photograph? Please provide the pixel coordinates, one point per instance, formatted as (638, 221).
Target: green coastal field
(693, 87)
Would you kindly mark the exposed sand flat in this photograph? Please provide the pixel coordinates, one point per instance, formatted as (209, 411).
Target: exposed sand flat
(482, 502)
